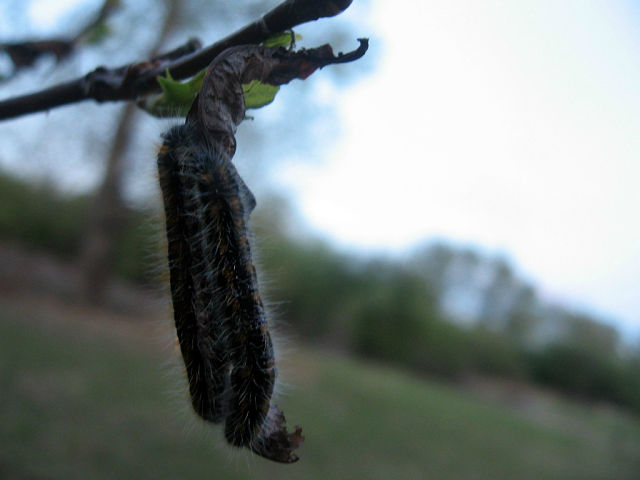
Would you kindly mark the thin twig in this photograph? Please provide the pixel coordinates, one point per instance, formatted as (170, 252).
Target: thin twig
(24, 53)
(132, 81)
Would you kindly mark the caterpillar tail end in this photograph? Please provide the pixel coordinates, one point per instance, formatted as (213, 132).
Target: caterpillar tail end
(275, 442)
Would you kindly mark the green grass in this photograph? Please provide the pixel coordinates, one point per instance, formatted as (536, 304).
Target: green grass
(77, 404)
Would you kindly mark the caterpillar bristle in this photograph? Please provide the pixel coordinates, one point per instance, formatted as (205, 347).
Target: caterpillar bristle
(220, 319)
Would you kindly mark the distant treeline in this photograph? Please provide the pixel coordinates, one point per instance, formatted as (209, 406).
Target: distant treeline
(38, 216)
(444, 311)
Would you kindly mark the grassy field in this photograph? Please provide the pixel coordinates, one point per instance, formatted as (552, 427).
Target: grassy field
(80, 401)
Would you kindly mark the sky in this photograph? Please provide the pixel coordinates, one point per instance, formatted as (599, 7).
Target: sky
(508, 126)
(511, 126)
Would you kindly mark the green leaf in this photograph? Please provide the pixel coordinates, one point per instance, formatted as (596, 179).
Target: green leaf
(177, 92)
(257, 94)
(283, 39)
(176, 97)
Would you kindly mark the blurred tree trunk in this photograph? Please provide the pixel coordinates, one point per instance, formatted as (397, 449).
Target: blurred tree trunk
(108, 216)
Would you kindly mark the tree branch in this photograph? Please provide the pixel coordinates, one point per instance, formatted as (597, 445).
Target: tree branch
(132, 81)
(24, 54)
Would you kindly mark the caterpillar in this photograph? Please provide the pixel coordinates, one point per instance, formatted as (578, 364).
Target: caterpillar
(218, 312)
(220, 319)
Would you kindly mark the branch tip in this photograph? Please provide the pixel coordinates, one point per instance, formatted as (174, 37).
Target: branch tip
(355, 54)
(130, 82)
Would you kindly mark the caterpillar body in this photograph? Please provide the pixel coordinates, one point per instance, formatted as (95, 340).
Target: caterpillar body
(219, 315)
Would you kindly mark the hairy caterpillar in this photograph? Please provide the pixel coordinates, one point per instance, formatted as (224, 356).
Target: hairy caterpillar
(219, 315)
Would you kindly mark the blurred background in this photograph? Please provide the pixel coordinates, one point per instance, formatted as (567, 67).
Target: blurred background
(446, 229)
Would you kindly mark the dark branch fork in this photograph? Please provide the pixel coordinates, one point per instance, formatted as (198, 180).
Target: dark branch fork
(130, 82)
